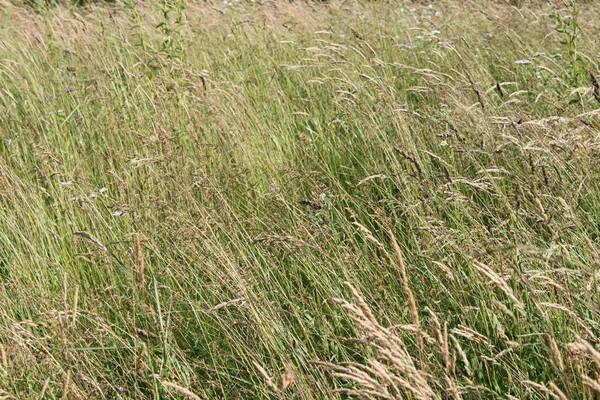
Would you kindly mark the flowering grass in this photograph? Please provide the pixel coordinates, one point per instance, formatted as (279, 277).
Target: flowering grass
(273, 200)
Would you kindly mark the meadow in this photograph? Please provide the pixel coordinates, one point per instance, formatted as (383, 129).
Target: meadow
(299, 200)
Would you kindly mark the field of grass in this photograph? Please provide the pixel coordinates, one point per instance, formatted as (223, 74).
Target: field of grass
(296, 200)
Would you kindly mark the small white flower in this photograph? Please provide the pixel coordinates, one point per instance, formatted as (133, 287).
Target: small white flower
(74, 199)
(102, 190)
(66, 183)
(443, 143)
(523, 62)
(118, 213)
(60, 111)
(92, 196)
(568, 17)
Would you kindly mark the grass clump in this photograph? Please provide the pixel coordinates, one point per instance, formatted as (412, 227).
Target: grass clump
(298, 200)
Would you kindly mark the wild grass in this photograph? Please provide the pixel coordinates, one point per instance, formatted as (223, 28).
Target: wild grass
(273, 200)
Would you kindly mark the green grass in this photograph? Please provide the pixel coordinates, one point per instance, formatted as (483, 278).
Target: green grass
(247, 170)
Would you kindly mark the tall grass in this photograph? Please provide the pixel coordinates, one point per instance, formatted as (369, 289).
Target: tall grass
(282, 200)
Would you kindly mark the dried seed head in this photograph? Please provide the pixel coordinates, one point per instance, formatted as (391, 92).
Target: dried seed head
(287, 378)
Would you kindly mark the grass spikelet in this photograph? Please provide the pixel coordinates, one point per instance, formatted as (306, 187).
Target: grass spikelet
(593, 384)
(500, 284)
(266, 377)
(583, 345)
(462, 354)
(141, 265)
(370, 237)
(393, 364)
(555, 355)
(67, 385)
(412, 305)
(542, 388)
(75, 303)
(287, 379)
(92, 239)
(596, 87)
(557, 391)
(180, 390)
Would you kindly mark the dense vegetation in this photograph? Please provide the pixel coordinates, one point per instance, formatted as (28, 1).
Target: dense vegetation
(292, 200)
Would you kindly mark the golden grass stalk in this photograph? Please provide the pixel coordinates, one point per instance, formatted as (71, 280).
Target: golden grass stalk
(591, 383)
(181, 390)
(267, 378)
(67, 385)
(557, 391)
(139, 257)
(412, 304)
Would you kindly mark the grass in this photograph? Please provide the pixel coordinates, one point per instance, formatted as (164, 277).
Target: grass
(298, 201)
